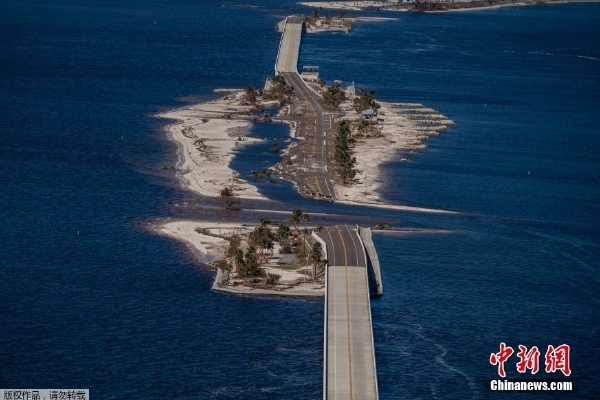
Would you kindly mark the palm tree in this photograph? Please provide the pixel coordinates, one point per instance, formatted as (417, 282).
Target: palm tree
(283, 236)
(264, 221)
(343, 154)
(316, 256)
(227, 270)
(251, 95)
(296, 217)
(278, 80)
(315, 12)
(240, 262)
(365, 100)
(251, 258)
(262, 237)
(334, 95)
(267, 247)
(305, 217)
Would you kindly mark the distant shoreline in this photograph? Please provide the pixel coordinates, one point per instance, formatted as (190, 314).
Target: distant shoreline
(427, 7)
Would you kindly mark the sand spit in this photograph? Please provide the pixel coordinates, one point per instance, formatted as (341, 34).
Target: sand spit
(401, 128)
(207, 240)
(324, 24)
(347, 5)
(207, 247)
(207, 135)
(455, 5)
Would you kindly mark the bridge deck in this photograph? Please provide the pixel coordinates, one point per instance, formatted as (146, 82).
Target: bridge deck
(349, 355)
(289, 48)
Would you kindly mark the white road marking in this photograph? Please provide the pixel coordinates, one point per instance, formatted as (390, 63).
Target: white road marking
(334, 325)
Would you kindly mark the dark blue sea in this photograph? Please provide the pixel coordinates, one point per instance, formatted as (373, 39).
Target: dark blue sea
(90, 298)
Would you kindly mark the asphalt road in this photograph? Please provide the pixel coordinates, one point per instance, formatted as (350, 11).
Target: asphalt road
(343, 246)
(350, 358)
(287, 65)
(318, 171)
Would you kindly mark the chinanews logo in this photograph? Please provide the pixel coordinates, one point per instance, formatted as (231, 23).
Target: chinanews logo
(556, 359)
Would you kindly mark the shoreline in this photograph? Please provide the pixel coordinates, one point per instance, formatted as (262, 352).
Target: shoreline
(402, 128)
(375, 5)
(212, 247)
(339, 25)
(206, 135)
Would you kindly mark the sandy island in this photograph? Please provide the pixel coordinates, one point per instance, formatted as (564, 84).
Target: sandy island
(399, 129)
(432, 6)
(207, 135)
(403, 129)
(209, 240)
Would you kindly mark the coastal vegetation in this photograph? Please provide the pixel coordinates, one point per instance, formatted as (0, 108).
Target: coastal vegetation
(267, 173)
(251, 96)
(365, 100)
(283, 236)
(229, 200)
(430, 5)
(318, 259)
(315, 12)
(315, 23)
(251, 261)
(427, 5)
(279, 90)
(381, 226)
(343, 154)
(296, 219)
(334, 96)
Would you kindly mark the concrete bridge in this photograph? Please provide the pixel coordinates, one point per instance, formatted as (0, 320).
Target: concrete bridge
(349, 369)
(289, 46)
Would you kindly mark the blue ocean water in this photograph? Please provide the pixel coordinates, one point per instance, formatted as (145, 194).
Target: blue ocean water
(89, 298)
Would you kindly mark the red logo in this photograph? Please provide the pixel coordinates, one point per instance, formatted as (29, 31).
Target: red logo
(529, 359)
(500, 358)
(556, 359)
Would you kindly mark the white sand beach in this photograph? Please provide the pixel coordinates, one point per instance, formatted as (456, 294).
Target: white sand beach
(455, 6)
(209, 247)
(198, 235)
(403, 129)
(345, 5)
(207, 135)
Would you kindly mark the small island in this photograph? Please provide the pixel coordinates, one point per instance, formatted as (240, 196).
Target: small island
(429, 5)
(282, 255)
